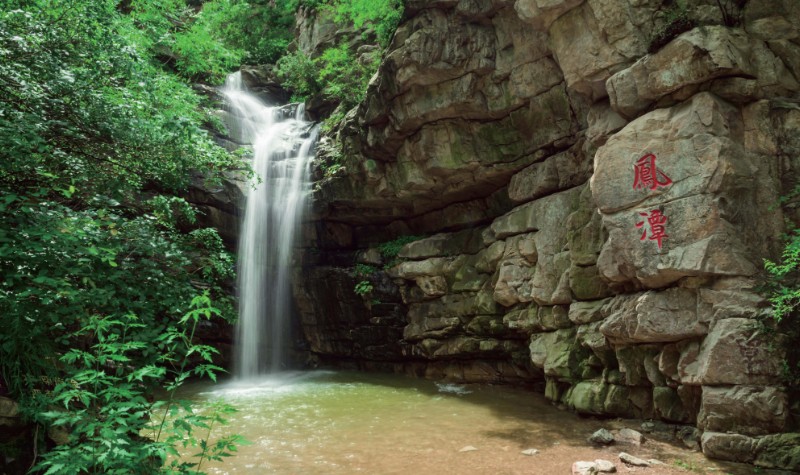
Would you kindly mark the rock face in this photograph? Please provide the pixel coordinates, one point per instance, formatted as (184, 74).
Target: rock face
(595, 210)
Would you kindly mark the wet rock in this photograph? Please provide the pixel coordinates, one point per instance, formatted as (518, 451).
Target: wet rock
(221, 205)
(602, 437)
(9, 413)
(631, 460)
(264, 83)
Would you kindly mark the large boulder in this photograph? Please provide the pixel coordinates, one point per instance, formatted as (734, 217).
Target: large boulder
(670, 187)
(696, 57)
(665, 316)
(750, 410)
(599, 38)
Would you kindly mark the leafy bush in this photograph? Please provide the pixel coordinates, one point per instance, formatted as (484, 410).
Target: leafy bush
(383, 16)
(98, 284)
(783, 289)
(104, 404)
(337, 74)
(173, 31)
(785, 294)
(260, 30)
(300, 74)
(390, 250)
(364, 270)
(363, 288)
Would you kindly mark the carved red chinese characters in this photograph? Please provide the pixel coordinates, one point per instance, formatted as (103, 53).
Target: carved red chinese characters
(647, 175)
(656, 225)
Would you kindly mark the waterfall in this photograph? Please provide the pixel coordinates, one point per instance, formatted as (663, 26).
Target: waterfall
(282, 151)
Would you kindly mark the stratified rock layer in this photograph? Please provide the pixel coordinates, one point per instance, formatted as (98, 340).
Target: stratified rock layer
(596, 209)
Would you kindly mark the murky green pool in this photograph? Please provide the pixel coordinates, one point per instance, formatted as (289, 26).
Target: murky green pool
(341, 423)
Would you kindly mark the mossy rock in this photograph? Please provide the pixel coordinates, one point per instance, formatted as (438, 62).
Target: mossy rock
(779, 451)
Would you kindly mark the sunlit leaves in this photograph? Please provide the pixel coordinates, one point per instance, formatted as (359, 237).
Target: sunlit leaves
(96, 267)
(785, 296)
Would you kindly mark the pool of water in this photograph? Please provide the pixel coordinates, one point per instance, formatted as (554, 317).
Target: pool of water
(341, 423)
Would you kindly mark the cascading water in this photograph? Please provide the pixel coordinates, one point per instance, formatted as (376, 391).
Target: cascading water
(282, 150)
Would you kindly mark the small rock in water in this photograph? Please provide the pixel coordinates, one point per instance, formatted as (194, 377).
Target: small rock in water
(468, 448)
(584, 468)
(529, 452)
(449, 388)
(631, 460)
(605, 466)
(629, 436)
(602, 437)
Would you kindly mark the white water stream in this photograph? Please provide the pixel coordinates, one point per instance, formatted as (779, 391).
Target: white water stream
(282, 151)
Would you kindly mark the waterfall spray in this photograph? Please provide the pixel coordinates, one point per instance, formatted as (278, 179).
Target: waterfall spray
(282, 151)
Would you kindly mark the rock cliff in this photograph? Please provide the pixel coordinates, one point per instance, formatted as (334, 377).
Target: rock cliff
(596, 181)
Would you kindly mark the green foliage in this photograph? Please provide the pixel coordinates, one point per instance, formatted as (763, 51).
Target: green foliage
(390, 250)
(785, 293)
(173, 31)
(783, 288)
(365, 270)
(337, 75)
(259, 30)
(382, 15)
(103, 406)
(99, 279)
(341, 75)
(300, 74)
(363, 288)
(330, 157)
